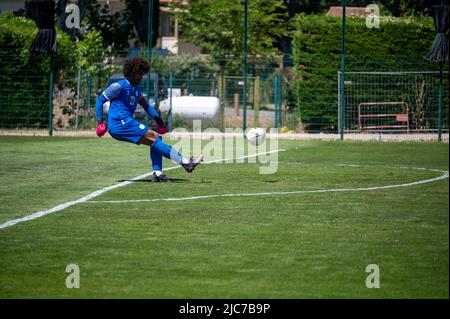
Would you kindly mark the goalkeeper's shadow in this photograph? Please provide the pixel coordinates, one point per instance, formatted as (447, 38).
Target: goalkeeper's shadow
(172, 180)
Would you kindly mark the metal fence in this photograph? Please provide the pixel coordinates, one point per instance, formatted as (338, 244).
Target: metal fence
(24, 93)
(32, 100)
(394, 102)
(263, 103)
(379, 92)
(301, 99)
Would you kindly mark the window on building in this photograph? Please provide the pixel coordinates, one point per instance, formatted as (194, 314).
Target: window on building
(167, 24)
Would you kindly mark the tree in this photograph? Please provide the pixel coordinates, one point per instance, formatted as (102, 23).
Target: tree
(402, 7)
(184, 65)
(218, 26)
(90, 52)
(61, 14)
(139, 14)
(115, 29)
(394, 7)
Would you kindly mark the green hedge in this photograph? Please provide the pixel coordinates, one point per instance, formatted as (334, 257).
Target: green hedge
(398, 45)
(24, 78)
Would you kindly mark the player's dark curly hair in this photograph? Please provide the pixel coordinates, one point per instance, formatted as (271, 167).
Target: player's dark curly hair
(136, 65)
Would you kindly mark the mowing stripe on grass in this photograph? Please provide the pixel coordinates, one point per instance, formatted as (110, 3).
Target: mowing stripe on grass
(425, 181)
(104, 190)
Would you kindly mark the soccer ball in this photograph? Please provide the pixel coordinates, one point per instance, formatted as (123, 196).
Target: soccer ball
(256, 136)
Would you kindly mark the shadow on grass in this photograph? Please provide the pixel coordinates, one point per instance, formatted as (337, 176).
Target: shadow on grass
(173, 180)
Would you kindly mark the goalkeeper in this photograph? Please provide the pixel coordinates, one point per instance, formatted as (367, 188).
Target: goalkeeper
(124, 95)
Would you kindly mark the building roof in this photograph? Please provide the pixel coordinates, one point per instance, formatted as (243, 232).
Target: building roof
(349, 11)
(172, 1)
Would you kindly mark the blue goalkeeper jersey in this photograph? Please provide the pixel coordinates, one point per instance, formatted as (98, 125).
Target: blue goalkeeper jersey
(124, 99)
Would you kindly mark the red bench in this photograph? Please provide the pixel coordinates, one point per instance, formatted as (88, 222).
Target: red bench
(402, 119)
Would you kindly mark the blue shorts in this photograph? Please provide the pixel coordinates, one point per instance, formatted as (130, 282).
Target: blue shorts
(127, 130)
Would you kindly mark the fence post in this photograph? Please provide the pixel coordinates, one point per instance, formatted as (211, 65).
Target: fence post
(299, 114)
(188, 84)
(256, 102)
(339, 127)
(50, 103)
(236, 104)
(244, 71)
(342, 88)
(440, 107)
(221, 101)
(89, 96)
(78, 98)
(280, 109)
(275, 101)
(170, 101)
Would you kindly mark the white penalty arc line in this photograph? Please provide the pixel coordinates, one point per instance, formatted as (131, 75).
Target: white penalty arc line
(106, 189)
(444, 176)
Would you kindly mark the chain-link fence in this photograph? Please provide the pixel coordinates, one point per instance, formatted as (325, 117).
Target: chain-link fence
(390, 94)
(24, 94)
(263, 102)
(25, 101)
(381, 94)
(394, 102)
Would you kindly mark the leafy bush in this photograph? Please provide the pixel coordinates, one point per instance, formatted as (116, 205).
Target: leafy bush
(184, 65)
(24, 76)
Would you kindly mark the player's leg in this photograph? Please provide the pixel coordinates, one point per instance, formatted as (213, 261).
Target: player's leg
(156, 158)
(151, 139)
(148, 138)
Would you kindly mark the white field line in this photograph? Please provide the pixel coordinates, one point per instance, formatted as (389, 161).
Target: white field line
(425, 181)
(385, 137)
(104, 190)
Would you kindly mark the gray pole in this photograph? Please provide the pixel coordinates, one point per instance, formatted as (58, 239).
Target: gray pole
(50, 102)
(441, 90)
(244, 69)
(342, 101)
(89, 96)
(170, 101)
(78, 98)
(280, 99)
(149, 42)
(275, 101)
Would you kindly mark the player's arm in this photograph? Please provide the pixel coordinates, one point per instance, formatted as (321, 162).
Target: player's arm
(160, 126)
(148, 108)
(99, 107)
(109, 94)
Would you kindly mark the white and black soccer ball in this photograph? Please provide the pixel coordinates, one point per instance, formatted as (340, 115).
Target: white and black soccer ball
(256, 135)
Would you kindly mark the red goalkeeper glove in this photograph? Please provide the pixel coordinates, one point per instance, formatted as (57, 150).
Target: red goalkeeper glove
(160, 126)
(101, 129)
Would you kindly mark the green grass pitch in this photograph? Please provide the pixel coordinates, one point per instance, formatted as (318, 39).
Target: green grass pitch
(304, 245)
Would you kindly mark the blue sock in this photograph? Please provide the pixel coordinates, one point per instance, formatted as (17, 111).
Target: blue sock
(156, 158)
(168, 152)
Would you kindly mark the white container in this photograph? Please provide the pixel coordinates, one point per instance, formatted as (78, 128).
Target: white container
(192, 107)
